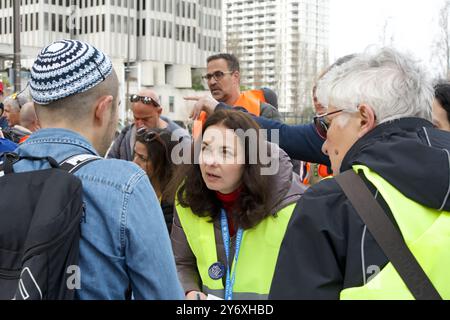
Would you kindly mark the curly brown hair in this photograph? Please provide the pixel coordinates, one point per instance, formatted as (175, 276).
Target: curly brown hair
(191, 191)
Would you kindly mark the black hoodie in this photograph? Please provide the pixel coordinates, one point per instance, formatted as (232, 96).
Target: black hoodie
(327, 247)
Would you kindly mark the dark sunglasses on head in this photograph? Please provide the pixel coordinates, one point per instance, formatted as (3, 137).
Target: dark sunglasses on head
(150, 136)
(145, 100)
(218, 75)
(322, 125)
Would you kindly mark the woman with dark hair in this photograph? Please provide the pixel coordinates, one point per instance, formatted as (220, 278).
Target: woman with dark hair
(152, 152)
(441, 106)
(231, 215)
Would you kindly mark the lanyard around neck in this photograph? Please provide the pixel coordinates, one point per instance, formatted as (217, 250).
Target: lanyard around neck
(231, 276)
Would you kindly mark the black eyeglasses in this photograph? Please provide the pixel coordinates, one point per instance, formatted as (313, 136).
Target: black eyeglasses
(322, 125)
(218, 75)
(145, 100)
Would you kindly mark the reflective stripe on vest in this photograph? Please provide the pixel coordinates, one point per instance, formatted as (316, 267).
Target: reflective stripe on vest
(427, 234)
(257, 259)
(251, 101)
(236, 295)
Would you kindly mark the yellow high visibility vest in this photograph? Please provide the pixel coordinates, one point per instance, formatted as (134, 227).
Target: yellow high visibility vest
(257, 258)
(426, 232)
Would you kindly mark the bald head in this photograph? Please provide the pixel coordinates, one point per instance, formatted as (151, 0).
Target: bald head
(149, 93)
(28, 117)
(148, 115)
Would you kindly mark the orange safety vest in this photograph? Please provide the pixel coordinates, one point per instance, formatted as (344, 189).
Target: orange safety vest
(249, 100)
(321, 173)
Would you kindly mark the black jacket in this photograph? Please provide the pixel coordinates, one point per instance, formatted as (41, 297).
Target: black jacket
(327, 247)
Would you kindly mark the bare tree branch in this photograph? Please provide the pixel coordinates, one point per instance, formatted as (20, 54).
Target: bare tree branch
(441, 47)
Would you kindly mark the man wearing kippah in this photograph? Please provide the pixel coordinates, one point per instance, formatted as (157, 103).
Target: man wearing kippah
(124, 242)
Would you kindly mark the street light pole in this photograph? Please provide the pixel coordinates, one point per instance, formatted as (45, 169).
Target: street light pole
(127, 70)
(16, 64)
(72, 23)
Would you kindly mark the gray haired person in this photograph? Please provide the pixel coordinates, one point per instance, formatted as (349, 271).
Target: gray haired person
(378, 124)
(12, 105)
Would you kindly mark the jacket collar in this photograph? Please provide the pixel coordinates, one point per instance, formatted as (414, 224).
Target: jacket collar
(382, 132)
(59, 136)
(412, 156)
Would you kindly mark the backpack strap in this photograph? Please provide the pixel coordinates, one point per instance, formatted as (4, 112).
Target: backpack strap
(75, 163)
(2, 169)
(10, 158)
(71, 165)
(387, 236)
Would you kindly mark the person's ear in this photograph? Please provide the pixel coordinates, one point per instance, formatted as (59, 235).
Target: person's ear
(237, 77)
(367, 119)
(159, 110)
(103, 109)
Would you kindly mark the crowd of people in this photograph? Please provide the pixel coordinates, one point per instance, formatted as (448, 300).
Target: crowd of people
(239, 218)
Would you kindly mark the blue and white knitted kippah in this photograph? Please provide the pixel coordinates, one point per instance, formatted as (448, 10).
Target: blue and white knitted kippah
(65, 68)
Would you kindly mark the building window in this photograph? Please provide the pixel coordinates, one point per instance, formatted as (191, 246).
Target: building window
(53, 22)
(171, 104)
(113, 24)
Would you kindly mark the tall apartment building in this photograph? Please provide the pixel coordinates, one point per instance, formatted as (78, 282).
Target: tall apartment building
(163, 44)
(282, 44)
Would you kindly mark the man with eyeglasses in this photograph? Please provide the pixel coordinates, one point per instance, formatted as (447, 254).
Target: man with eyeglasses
(224, 81)
(147, 112)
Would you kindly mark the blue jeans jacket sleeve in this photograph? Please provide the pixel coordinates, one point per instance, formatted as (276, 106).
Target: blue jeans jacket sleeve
(300, 142)
(151, 267)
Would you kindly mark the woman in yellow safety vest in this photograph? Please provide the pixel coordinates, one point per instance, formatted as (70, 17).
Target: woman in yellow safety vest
(231, 210)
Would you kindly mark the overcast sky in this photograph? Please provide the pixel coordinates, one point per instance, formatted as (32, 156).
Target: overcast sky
(411, 25)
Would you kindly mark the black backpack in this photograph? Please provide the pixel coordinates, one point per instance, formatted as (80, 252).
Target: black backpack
(40, 216)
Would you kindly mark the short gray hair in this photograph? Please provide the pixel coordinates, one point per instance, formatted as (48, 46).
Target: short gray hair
(16, 101)
(393, 84)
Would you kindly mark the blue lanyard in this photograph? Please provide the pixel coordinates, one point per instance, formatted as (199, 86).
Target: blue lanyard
(231, 276)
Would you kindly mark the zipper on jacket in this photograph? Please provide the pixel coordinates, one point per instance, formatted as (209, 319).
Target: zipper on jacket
(83, 214)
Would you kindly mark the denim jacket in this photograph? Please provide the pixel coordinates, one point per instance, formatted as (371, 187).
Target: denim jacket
(124, 240)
